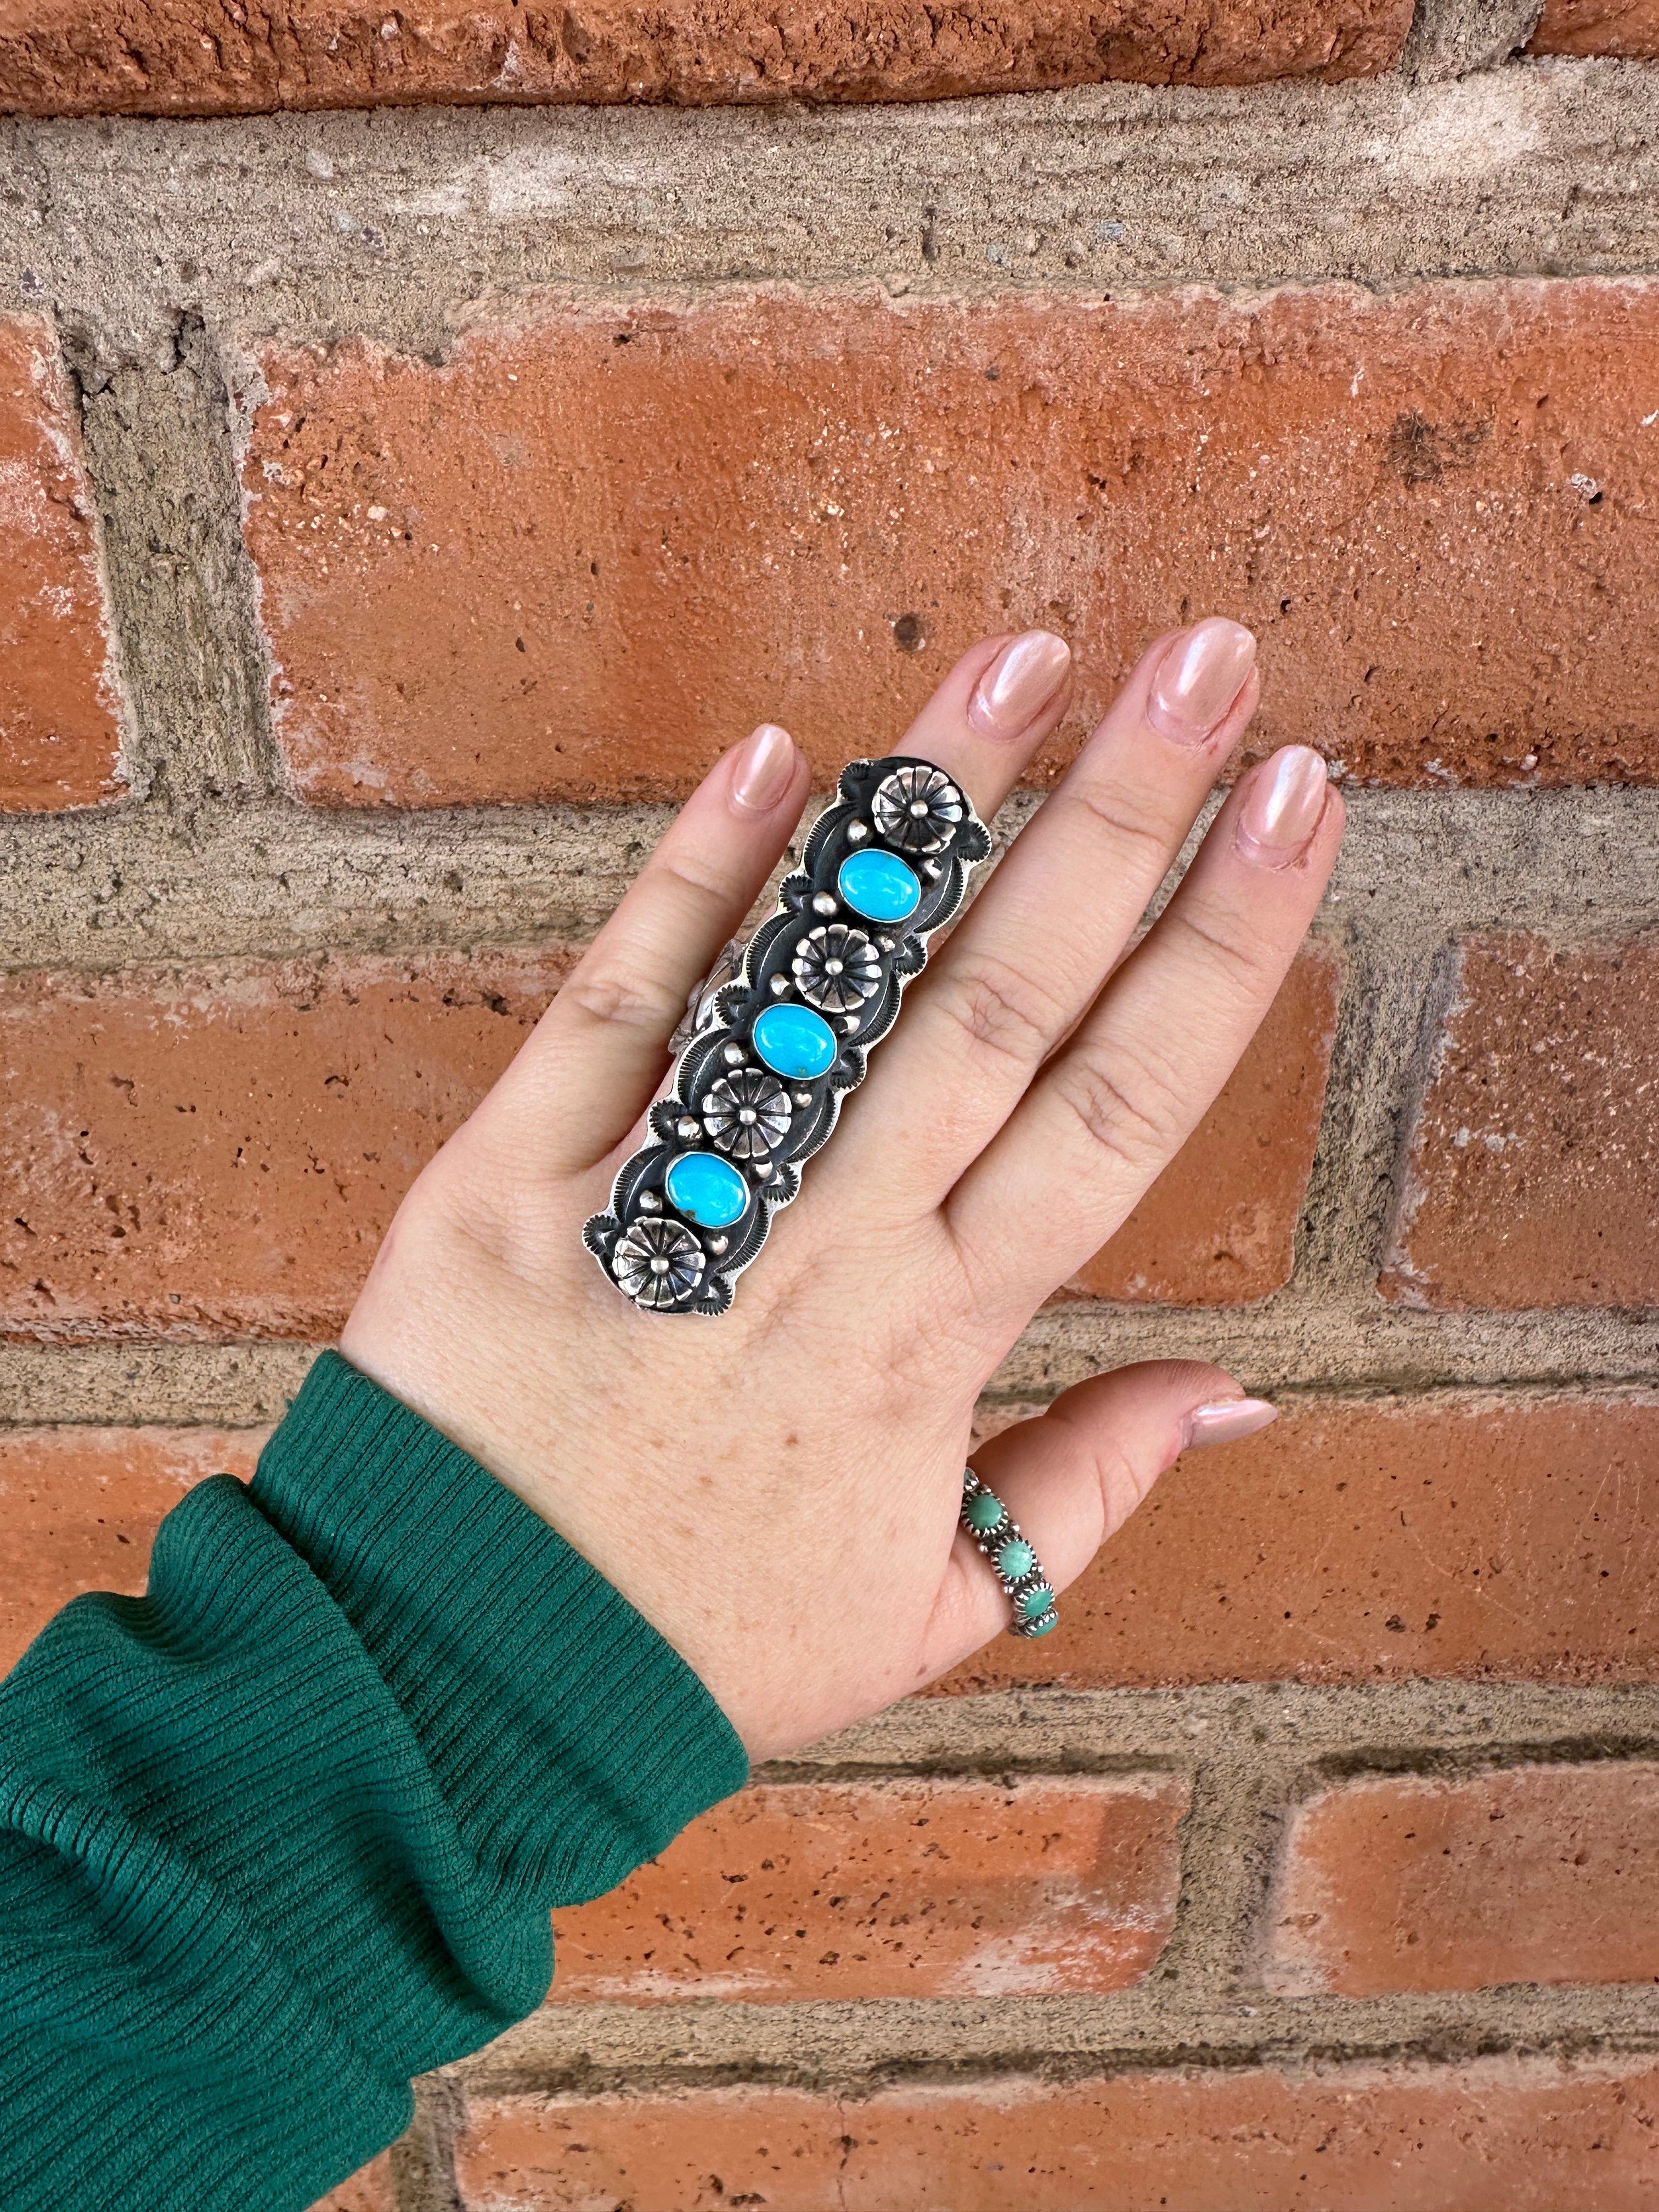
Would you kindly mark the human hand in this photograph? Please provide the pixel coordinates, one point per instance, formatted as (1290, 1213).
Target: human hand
(777, 1490)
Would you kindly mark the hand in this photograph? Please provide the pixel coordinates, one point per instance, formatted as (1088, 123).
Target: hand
(777, 1490)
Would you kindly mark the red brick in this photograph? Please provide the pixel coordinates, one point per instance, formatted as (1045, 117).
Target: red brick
(891, 1889)
(211, 57)
(1533, 1873)
(79, 1509)
(369, 2190)
(1218, 1226)
(205, 1153)
(1617, 28)
(1533, 1171)
(58, 735)
(1526, 2136)
(1374, 1542)
(512, 575)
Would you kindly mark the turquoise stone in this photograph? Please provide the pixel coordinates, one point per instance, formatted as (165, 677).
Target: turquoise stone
(1016, 1558)
(984, 1513)
(706, 1190)
(1034, 1603)
(879, 886)
(795, 1042)
(1047, 1628)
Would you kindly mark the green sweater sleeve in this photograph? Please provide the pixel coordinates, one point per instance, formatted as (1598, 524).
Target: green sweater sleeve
(287, 1830)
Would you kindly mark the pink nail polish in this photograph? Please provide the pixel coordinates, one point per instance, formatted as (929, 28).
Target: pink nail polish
(1199, 678)
(1225, 1422)
(1282, 807)
(761, 771)
(1019, 683)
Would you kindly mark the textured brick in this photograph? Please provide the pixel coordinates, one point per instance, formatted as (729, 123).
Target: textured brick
(1527, 2135)
(79, 1509)
(512, 575)
(891, 1889)
(215, 57)
(369, 2190)
(1218, 1226)
(1533, 1171)
(1627, 28)
(219, 1151)
(1536, 1874)
(58, 735)
(1365, 1541)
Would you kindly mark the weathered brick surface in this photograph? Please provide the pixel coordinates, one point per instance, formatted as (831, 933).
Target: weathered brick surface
(59, 734)
(512, 576)
(924, 1888)
(219, 1151)
(1358, 1542)
(79, 1509)
(1627, 28)
(1526, 2136)
(1218, 1226)
(1533, 1171)
(369, 2190)
(1534, 1874)
(214, 57)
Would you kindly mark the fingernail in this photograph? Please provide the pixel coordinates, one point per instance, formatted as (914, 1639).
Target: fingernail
(1282, 807)
(1019, 683)
(1199, 678)
(1225, 1422)
(762, 771)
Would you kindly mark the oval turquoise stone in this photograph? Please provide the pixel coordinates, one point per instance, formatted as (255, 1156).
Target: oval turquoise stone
(1016, 1558)
(706, 1190)
(879, 885)
(984, 1513)
(1036, 1602)
(1047, 1628)
(795, 1042)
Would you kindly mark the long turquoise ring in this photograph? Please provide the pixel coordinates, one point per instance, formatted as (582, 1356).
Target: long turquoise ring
(783, 1032)
(1013, 1562)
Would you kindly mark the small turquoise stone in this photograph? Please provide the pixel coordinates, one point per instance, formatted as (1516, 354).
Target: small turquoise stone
(1036, 1602)
(879, 886)
(984, 1513)
(1044, 1628)
(1016, 1558)
(795, 1042)
(706, 1190)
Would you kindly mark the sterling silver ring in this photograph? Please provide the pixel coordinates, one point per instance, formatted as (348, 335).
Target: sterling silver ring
(1013, 1562)
(781, 1031)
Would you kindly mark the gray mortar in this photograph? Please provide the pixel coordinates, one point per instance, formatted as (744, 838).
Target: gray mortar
(1549, 168)
(1456, 38)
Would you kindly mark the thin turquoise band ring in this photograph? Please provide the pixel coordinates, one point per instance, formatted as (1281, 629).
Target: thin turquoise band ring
(1014, 1564)
(781, 1032)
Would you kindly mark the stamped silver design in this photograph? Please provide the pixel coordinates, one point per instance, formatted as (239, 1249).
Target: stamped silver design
(916, 808)
(747, 1113)
(781, 1030)
(837, 967)
(657, 1263)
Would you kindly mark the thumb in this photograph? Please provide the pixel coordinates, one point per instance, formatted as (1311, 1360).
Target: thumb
(1072, 1476)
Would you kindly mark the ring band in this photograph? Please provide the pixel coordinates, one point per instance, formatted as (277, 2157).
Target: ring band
(778, 1044)
(1013, 1562)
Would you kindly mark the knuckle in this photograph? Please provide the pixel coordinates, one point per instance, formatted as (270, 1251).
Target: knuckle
(1129, 825)
(619, 996)
(1004, 1010)
(1129, 1111)
(1226, 942)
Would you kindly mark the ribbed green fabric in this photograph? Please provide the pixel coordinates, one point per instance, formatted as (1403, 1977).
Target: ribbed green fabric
(287, 1830)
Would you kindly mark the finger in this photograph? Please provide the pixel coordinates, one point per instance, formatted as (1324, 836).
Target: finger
(1073, 1476)
(1003, 700)
(596, 1055)
(1114, 1107)
(1018, 972)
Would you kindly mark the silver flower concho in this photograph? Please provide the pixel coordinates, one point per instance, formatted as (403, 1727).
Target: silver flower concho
(836, 969)
(747, 1113)
(658, 1262)
(917, 809)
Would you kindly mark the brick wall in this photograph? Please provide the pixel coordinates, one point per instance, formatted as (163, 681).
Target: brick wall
(378, 484)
